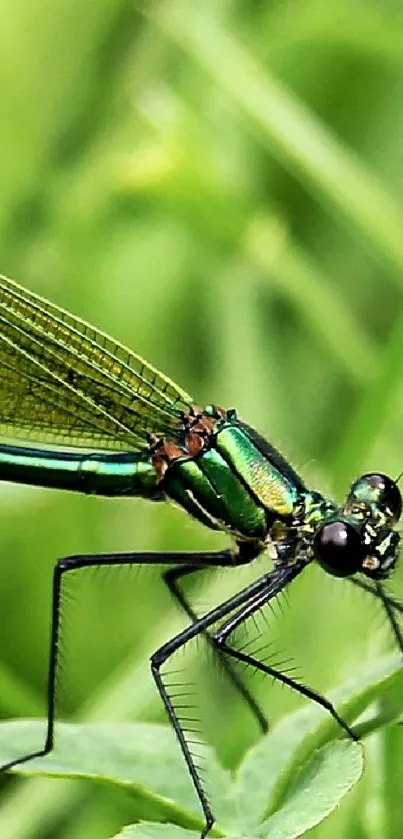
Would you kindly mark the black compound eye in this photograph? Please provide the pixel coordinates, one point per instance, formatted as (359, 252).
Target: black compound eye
(388, 493)
(338, 548)
(378, 489)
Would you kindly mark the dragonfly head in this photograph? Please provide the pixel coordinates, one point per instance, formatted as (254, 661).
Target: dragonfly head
(361, 537)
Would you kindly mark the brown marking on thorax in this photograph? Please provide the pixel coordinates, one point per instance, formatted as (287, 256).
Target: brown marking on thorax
(198, 428)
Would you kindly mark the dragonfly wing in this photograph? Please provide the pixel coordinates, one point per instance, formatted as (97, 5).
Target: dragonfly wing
(65, 382)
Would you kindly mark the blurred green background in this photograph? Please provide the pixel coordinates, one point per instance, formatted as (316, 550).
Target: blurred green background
(219, 186)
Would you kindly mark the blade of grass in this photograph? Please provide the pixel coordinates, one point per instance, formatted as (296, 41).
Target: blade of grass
(376, 402)
(293, 272)
(289, 129)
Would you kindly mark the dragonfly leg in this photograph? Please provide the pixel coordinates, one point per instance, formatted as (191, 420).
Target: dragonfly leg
(171, 578)
(391, 606)
(372, 588)
(54, 643)
(390, 613)
(73, 563)
(221, 636)
(274, 582)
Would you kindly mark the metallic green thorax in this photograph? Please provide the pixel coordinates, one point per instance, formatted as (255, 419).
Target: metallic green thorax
(231, 484)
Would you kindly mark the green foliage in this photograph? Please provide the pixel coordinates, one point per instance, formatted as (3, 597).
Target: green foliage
(289, 782)
(218, 185)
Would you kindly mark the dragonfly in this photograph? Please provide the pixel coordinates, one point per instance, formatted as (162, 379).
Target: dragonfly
(80, 412)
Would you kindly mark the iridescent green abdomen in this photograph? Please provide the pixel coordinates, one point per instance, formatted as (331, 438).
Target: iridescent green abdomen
(233, 483)
(92, 473)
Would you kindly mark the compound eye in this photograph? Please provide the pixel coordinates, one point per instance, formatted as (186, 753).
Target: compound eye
(387, 493)
(381, 490)
(338, 548)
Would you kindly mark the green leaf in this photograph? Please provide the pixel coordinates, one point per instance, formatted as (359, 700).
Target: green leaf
(291, 780)
(319, 789)
(151, 830)
(143, 758)
(321, 785)
(279, 756)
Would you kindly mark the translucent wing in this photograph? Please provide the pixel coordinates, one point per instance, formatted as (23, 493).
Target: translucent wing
(64, 382)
